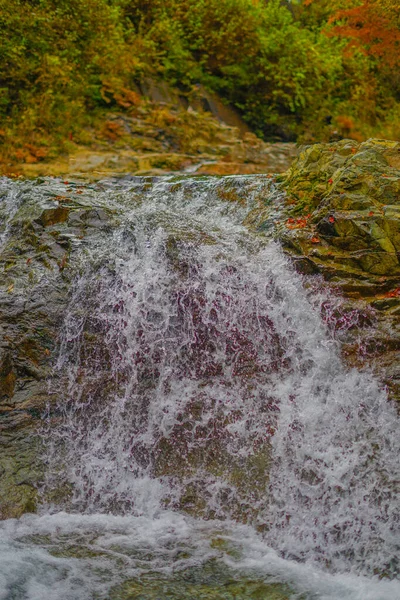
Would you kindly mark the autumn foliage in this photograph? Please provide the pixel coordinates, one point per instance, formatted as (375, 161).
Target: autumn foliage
(373, 27)
(308, 70)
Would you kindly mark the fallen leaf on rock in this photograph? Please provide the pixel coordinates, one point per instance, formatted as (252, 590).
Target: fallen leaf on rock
(63, 262)
(393, 293)
(298, 223)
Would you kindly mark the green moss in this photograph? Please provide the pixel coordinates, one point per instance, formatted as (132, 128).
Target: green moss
(211, 581)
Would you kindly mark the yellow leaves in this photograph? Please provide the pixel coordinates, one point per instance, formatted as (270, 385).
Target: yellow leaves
(127, 98)
(10, 288)
(162, 117)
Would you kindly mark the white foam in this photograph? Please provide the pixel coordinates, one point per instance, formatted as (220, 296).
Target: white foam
(36, 562)
(189, 336)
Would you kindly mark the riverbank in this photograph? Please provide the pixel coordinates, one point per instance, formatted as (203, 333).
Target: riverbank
(157, 138)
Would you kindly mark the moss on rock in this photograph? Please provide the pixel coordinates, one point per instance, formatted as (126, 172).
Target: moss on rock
(351, 235)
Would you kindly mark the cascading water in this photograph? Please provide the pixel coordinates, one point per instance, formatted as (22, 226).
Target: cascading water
(9, 204)
(202, 412)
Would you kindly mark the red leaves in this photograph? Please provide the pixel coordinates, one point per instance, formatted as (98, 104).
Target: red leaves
(330, 181)
(298, 223)
(371, 213)
(331, 219)
(372, 28)
(393, 293)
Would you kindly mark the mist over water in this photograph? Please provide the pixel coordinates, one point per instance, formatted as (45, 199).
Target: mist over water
(199, 395)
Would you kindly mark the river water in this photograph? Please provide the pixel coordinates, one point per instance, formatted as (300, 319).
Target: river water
(205, 439)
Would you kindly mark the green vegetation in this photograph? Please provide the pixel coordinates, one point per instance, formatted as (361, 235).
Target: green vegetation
(295, 70)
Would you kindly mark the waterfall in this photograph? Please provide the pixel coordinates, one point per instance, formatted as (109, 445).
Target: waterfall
(10, 199)
(196, 378)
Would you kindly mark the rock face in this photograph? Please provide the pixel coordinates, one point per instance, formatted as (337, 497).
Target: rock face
(51, 232)
(341, 220)
(37, 243)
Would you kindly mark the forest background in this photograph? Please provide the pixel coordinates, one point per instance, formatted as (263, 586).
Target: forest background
(305, 70)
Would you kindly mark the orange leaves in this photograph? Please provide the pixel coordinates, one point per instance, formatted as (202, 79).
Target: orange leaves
(112, 130)
(30, 154)
(315, 240)
(347, 128)
(372, 27)
(298, 223)
(127, 98)
(393, 293)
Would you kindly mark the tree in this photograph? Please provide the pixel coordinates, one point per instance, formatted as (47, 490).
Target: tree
(373, 26)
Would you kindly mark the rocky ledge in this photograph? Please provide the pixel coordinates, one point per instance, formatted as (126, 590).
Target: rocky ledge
(342, 221)
(338, 219)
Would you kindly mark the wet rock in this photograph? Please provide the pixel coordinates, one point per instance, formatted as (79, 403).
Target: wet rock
(51, 216)
(341, 220)
(37, 258)
(210, 581)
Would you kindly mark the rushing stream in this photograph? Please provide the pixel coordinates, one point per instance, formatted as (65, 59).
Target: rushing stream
(205, 439)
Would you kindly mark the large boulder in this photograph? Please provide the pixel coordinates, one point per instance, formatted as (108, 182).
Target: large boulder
(341, 221)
